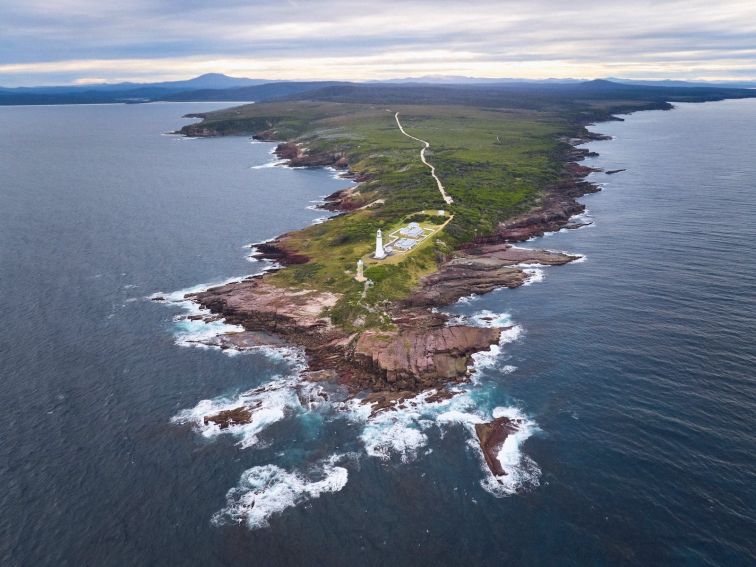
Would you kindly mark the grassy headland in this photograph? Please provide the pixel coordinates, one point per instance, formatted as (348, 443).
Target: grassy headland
(495, 156)
(492, 161)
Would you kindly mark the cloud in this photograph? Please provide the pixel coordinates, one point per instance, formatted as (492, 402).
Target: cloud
(75, 39)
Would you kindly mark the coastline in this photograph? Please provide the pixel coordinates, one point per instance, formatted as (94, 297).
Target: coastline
(393, 422)
(632, 368)
(428, 355)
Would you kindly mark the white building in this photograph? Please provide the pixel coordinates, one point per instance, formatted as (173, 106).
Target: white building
(380, 253)
(412, 230)
(360, 277)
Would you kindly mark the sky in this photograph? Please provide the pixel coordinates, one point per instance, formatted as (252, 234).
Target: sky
(45, 42)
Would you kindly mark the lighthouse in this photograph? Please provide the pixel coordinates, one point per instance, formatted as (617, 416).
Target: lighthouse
(380, 253)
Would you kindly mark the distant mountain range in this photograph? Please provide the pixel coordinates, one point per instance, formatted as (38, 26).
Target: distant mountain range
(219, 87)
(460, 79)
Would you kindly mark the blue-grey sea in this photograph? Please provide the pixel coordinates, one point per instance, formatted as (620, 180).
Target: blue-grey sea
(633, 370)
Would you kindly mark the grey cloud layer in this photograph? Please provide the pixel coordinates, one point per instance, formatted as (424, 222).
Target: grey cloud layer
(342, 39)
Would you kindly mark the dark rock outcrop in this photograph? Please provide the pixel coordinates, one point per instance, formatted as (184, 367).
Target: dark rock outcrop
(344, 200)
(299, 157)
(492, 436)
(235, 416)
(421, 352)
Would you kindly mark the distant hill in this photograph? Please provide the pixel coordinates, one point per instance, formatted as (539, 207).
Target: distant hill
(601, 94)
(674, 83)
(206, 81)
(262, 92)
(464, 80)
(425, 90)
(123, 92)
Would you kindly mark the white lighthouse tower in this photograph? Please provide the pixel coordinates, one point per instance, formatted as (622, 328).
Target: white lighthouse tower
(380, 253)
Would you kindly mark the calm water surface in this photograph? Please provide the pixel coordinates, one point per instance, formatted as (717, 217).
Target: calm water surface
(635, 368)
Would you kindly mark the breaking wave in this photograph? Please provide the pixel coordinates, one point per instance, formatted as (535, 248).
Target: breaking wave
(197, 326)
(401, 432)
(522, 472)
(267, 490)
(267, 405)
(535, 275)
(269, 164)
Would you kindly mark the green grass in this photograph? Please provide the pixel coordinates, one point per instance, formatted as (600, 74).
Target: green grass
(493, 162)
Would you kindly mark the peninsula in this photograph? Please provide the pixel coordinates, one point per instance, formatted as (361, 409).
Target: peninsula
(475, 170)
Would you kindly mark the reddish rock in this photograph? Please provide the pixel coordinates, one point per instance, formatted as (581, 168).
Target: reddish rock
(260, 306)
(343, 200)
(417, 359)
(421, 352)
(287, 150)
(481, 269)
(265, 135)
(492, 436)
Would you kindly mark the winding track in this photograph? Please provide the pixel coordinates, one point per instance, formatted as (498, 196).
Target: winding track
(444, 194)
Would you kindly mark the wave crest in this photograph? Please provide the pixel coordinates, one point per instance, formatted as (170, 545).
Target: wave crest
(267, 490)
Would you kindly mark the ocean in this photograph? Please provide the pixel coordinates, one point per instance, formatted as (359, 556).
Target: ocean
(632, 370)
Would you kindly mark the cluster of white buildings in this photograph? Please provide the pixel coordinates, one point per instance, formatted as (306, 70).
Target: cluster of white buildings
(399, 241)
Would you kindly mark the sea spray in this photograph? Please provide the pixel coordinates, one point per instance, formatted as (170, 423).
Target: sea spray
(267, 490)
(198, 326)
(267, 405)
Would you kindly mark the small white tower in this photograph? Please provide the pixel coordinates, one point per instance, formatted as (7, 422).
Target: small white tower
(380, 253)
(360, 277)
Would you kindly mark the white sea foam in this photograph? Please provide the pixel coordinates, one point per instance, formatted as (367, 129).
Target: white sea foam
(483, 318)
(583, 218)
(467, 299)
(336, 173)
(535, 275)
(202, 327)
(400, 431)
(268, 490)
(268, 404)
(522, 473)
(179, 295)
(196, 332)
(492, 357)
(320, 220)
(269, 164)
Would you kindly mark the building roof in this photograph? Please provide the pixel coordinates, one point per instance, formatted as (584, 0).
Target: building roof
(405, 243)
(413, 230)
